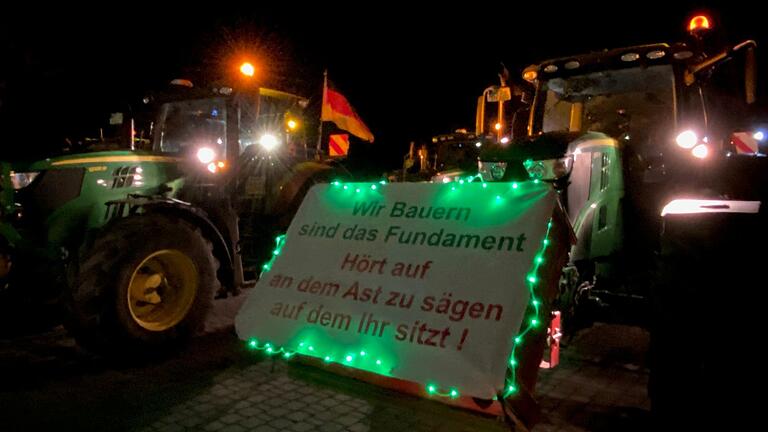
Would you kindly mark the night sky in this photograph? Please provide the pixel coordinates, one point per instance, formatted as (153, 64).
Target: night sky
(409, 73)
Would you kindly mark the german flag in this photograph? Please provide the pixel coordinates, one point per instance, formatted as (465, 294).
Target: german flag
(337, 109)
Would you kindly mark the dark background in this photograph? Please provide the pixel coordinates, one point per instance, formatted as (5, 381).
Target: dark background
(410, 70)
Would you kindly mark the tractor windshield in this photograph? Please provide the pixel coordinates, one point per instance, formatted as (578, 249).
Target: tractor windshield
(456, 155)
(615, 102)
(185, 126)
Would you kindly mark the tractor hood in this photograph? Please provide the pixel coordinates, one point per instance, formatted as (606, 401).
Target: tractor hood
(96, 158)
(455, 174)
(551, 145)
(519, 160)
(74, 190)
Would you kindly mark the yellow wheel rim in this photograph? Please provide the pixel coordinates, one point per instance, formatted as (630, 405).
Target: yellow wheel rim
(162, 289)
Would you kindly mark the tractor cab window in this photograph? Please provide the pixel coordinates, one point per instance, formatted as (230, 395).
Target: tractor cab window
(615, 102)
(185, 126)
(274, 122)
(557, 112)
(724, 95)
(456, 155)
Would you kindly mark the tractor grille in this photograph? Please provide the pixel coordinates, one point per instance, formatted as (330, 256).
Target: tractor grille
(126, 176)
(51, 190)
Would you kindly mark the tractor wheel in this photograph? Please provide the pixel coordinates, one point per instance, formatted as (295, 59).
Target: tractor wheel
(707, 300)
(145, 283)
(571, 303)
(289, 211)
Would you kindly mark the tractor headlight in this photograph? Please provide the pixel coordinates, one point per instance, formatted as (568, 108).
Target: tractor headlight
(492, 171)
(549, 169)
(268, 142)
(206, 155)
(701, 151)
(687, 139)
(20, 180)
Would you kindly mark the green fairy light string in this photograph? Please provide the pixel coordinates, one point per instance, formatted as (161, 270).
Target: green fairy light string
(279, 242)
(433, 390)
(361, 359)
(532, 280)
(270, 349)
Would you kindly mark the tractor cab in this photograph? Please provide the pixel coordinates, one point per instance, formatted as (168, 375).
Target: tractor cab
(448, 157)
(622, 134)
(242, 153)
(216, 129)
(456, 153)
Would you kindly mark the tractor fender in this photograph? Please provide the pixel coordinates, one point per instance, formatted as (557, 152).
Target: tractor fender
(581, 250)
(294, 185)
(196, 216)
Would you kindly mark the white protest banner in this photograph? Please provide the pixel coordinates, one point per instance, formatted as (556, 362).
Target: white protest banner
(417, 281)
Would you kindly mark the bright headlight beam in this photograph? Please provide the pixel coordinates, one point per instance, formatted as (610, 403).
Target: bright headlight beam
(206, 155)
(701, 151)
(268, 142)
(687, 139)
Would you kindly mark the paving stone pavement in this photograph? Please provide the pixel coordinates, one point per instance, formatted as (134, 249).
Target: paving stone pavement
(267, 396)
(593, 389)
(601, 384)
(47, 383)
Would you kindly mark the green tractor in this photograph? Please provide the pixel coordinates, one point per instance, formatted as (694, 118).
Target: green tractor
(659, 157)
(134, 245)
(449, 157)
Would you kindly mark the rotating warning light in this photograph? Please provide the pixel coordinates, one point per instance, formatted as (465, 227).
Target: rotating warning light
(247, 69)
(699, 23)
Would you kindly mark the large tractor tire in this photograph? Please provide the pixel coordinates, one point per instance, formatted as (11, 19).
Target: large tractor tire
(707, 311)
(145, 284)
(30, 292)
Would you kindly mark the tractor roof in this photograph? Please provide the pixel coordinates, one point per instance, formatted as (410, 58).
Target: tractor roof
(640, 55)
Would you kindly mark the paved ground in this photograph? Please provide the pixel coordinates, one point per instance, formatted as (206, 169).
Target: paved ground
(600, 384)
(48, 383)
